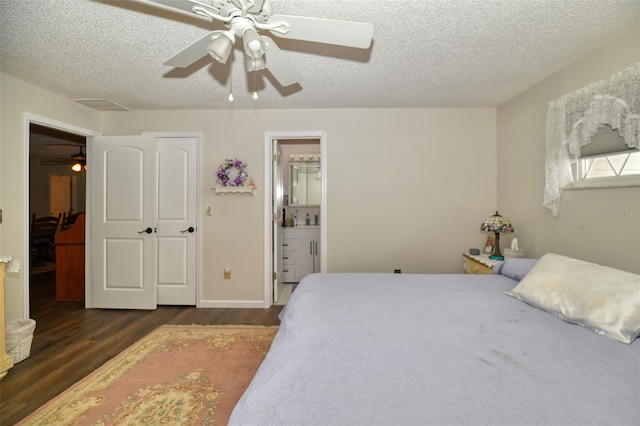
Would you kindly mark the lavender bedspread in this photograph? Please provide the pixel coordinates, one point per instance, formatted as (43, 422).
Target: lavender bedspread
(399, 349)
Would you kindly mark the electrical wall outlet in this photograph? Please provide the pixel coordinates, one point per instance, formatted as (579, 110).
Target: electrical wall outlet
(397, 271)
(227, 273)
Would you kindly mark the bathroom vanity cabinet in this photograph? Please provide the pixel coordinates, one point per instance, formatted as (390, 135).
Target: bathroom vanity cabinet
(300, 253)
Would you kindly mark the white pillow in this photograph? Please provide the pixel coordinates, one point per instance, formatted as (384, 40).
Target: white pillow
(602, 299)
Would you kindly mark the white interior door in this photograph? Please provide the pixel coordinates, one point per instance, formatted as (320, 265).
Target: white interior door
(277, 221)
(123, 246)
(176, 219)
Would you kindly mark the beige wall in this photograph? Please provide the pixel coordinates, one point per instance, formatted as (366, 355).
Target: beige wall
(17, 99)
(406, 188)
(584, 229)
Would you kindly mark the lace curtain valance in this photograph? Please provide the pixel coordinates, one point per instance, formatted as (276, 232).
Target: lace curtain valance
(574, 118)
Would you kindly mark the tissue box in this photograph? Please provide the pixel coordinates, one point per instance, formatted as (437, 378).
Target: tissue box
(510, 253)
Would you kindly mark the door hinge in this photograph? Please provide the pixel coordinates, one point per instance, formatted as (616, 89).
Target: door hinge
(274, 157)
(274, 217)
(275, 276)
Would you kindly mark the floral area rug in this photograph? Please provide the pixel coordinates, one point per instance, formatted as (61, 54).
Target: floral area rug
(176, 375)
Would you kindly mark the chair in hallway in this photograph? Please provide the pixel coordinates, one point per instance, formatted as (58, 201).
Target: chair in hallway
(42, 238)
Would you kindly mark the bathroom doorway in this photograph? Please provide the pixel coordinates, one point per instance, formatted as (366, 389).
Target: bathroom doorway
(283, 150)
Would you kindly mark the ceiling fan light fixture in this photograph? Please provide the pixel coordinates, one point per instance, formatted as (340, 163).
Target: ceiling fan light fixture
(254, 64)
(79, 161)
(254, 46)
(220, 46)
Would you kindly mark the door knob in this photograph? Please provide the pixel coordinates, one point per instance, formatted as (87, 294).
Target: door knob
(189, 229)
(148, 231)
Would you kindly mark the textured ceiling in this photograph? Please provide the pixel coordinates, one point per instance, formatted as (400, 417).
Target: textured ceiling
(425, 53)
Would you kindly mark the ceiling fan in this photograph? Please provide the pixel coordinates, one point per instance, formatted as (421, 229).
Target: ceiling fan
(246, 18)
(78, 161)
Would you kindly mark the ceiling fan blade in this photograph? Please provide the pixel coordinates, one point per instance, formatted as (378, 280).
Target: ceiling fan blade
(341, 33)
(278, 65)
(191, 53)
(75, 145)
(186, 5)
(53, 162)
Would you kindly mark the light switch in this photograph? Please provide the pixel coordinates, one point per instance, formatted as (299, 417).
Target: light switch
(208, 209)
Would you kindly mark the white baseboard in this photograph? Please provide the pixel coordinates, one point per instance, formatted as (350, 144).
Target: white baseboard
(231, 304)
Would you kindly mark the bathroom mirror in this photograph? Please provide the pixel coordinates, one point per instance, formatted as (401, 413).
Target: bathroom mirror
(305, 184)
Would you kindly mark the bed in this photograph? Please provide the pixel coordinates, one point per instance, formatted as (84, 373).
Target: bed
(402, 349)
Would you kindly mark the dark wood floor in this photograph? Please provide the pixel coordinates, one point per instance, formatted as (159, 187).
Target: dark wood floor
(70, 342)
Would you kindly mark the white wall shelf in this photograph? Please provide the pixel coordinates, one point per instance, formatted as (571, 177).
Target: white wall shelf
(235, 190)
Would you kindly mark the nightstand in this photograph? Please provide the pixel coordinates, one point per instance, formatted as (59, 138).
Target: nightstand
(478, 264)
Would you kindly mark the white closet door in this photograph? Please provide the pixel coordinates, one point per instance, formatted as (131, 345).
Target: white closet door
(176, 220)
(123, 246)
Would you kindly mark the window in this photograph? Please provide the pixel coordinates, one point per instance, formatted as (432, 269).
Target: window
(607, 159)
(608, 166)
(574, 118)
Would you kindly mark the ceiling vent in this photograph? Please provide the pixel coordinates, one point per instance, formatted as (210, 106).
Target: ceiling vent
(101, 104)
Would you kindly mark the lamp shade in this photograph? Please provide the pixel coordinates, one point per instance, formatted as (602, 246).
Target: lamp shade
(220, 47)
(254, 64)
(496, 224)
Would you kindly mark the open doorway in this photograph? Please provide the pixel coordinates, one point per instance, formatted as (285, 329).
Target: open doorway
(57, 194)
(282, 206)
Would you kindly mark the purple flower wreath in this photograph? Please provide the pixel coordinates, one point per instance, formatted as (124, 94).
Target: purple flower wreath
(222, 175)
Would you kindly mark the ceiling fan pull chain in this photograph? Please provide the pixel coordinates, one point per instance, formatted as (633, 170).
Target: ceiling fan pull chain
(255, 85)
